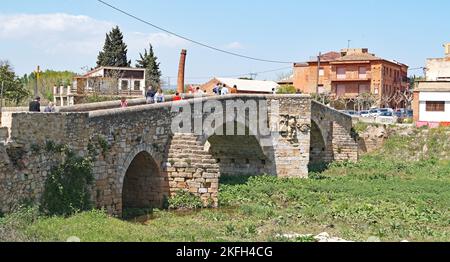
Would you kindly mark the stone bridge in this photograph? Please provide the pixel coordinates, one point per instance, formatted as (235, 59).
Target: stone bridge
(146, 153)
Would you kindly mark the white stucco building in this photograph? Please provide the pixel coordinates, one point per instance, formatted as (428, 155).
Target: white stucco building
(432, 103)
(438, 69)
(115, 80)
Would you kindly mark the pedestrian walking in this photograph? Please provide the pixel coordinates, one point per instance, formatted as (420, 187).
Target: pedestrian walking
(224, 90)
(159, 96)
(150, 95)
(177, 97)
(35, 105)
(123, 102)
(50, 108)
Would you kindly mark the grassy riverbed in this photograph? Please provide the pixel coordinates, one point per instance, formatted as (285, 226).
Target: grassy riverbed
(400, 192)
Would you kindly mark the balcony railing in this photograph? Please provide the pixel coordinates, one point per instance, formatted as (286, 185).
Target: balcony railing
(351, 76)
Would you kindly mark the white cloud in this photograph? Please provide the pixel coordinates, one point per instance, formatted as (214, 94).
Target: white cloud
(55, 33)
(235, 45)
(25, 25)
(61, 33)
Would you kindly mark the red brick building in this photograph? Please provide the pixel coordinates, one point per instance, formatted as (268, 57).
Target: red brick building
(350, 73)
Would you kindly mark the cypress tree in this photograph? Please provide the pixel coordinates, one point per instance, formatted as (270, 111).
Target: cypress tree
(148, 60)
(114, 51)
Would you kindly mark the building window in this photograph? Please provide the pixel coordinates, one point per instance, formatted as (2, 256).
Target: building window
(341, 73)
(364, 89)
(137, 85)
(321, 89)
(321, 71)
(362, 73)
(340, 90)
(91, 83)
(124, 85)
(435, 106)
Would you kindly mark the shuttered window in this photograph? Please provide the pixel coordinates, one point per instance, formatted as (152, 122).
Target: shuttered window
(435, 106)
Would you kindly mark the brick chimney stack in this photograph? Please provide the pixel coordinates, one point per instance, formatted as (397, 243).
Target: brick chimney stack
(181, 67)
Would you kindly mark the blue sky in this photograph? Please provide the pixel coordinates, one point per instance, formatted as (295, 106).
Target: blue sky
(68, 34)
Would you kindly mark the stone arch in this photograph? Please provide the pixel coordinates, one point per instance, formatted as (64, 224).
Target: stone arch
(142, 182)
(319, 151)
(247, 154)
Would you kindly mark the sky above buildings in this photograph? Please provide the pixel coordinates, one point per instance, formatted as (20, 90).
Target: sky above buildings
(68, 34)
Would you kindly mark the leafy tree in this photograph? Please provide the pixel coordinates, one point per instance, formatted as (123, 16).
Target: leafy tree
(13, 89)
(47, 80)
(287, 89)
(148, 60)
(114, 51)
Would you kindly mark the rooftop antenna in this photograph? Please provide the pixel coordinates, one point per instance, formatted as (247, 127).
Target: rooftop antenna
(253, 76)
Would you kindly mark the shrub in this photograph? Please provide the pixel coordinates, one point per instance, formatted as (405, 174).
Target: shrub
(67, 187)
(287, 90)
(185, 200)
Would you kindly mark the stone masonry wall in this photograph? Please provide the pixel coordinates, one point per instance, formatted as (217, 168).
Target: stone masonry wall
(337, 132)
(24, 160)
(291, 152)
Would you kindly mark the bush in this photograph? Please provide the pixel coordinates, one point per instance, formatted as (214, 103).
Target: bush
(287, 90)
(67, 187)
(185, 200)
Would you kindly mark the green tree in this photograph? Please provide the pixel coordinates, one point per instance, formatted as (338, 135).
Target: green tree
(148, 60)
(287, 89)
(114, 51)
(13, 89)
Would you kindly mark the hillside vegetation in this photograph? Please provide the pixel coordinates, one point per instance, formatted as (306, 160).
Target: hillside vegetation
(399, 192)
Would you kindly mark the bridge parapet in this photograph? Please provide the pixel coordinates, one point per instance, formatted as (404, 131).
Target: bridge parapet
(336, 130)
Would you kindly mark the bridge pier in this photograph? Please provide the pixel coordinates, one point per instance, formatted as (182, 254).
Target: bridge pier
(192, 169)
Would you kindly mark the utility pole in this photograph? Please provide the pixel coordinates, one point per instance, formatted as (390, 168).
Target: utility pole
(318, 73)
(37, 72)
(348, 45)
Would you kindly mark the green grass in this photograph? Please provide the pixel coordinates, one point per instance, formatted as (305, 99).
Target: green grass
(397, 193)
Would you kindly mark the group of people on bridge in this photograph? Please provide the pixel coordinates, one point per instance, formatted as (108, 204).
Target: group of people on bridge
(222, 90)
(35, 106)
(153, 97)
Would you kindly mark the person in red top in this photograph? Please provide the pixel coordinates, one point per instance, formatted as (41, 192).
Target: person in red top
(123, 102)
(177, 97)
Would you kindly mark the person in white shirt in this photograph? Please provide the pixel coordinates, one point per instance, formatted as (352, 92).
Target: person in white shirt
(159, 96)
(224, 90)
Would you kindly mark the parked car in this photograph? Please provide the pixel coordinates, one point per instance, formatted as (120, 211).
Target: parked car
(384, 110)
(351, 112)
(409, 114)
(364, 113)
(400, 112)
(374, 112)
(388, 117)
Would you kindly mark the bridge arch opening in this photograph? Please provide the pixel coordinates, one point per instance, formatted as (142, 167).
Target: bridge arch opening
(144, 187)
(238, 155)
(318, 154)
